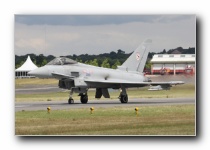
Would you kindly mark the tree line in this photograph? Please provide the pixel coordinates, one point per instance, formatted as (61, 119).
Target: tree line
(107, 60)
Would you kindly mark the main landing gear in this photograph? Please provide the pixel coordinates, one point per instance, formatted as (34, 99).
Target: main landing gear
(83, 98)
(123, 96)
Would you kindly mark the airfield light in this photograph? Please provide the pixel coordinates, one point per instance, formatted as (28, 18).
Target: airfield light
(48, 109)
(136, 110)
(91, 110)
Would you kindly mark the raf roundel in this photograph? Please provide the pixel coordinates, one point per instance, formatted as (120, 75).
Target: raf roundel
(137, 56)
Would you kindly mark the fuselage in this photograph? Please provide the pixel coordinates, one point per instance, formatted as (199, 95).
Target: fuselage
(87, 72)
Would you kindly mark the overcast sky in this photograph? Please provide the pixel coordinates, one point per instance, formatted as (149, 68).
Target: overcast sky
(94, 34)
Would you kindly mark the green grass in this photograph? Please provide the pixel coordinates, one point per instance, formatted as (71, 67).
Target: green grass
(151, 120)
(34, 81)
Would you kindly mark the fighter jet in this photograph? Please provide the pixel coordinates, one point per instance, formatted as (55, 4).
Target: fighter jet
(78, 77)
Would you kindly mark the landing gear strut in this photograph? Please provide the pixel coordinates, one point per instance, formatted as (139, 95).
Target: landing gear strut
(123, 96)
(71, 100)
(82, 93)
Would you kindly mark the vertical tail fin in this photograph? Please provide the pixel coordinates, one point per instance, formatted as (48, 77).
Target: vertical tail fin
(138, 58)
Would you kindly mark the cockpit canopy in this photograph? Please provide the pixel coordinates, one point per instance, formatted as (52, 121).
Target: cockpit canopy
(61, 61)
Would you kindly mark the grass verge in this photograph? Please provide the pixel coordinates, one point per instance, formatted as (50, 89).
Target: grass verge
(151, 120)
(19, 83)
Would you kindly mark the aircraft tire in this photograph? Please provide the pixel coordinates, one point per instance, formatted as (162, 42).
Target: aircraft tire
(70, 101)
(124, 98)
(84, 99)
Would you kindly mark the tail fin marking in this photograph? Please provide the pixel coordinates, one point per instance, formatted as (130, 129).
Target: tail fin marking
(138, 58)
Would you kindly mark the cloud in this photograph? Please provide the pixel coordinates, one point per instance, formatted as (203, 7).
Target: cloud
(33, 43)
(87, 20)
(95, 39)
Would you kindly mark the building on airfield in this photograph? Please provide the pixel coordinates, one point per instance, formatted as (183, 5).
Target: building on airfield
(173, 64)
(22, 72)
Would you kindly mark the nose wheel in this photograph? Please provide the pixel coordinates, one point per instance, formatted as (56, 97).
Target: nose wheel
(82, 93)
(70, 101)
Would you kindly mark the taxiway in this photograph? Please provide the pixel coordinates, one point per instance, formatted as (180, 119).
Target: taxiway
(59, 105)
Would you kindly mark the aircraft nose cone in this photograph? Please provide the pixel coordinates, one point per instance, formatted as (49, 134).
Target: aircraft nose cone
(41, 72)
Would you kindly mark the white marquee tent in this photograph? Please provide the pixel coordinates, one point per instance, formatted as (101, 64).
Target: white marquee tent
(22, 72)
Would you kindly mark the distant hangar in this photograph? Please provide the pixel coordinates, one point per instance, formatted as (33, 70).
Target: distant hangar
(173, 64)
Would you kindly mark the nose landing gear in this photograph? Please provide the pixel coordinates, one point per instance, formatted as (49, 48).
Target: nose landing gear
(82, 93)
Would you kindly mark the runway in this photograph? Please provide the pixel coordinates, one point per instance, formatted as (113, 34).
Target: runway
(59, 105)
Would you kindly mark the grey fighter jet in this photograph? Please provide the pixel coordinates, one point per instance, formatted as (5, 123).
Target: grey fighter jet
(78, 77)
